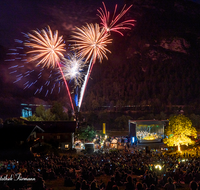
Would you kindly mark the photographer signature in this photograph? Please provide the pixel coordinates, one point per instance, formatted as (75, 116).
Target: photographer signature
(15, 177)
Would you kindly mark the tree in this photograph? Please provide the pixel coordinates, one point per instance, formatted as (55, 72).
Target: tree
(48, 115)
(195, 120)
(179, 131)
(104, 117)
(58, 110)
(86, 133)
(42, 115)
(34, 118)
(92, 118)
(161, 116)
(39, 111)
(14, 121)
(122, 122)
(95, 104)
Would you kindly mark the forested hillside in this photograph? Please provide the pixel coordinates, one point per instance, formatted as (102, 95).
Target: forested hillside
(157, 63)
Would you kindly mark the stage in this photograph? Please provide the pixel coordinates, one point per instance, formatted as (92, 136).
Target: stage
(146, 131)
(142, 141)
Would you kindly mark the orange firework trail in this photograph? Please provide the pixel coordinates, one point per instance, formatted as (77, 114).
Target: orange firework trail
(47, 49)
(114, 24)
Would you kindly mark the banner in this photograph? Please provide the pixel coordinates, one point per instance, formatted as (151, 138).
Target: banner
(104, 128)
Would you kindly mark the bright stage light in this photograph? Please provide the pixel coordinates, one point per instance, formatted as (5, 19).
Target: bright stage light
(158, 167)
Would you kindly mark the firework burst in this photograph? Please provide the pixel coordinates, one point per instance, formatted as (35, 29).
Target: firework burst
(91, 41)
(73, 67)
(48, 50)
(47, 47)
(27, 76)
(114, 24)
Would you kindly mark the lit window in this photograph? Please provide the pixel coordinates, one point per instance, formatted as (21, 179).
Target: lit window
(42, 137)
(58, 137)
(66, 145)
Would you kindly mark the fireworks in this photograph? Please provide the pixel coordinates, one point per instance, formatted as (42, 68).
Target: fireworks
(114, 24)
(73, 68)
(47, 47)
(91, 42)
(28, 76)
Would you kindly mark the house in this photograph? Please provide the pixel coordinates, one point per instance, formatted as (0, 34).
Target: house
(16, 135)
(16, 141)
(58, 133)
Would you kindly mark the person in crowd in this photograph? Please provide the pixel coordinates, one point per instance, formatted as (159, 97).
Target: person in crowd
(130, 185)
(110, 183)
(144, 186)
(39, 184)
(170, 185)
(94, 186)
(152, 187)
(115, 187)
(80, 171)
(193, 185)
(78, 185)
(84, 185)
(102, 186)
(139, 186)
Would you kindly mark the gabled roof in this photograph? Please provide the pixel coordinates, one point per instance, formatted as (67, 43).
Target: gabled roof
(55, 126)
(18, 132)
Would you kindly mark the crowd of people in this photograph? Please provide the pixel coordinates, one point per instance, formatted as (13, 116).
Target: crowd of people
(128, 170)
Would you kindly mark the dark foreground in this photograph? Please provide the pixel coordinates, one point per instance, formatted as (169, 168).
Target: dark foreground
(115, 170)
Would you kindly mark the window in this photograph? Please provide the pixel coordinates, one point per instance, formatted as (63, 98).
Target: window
(58, 136)
(60, 145)
(66, 145)
(42, 137)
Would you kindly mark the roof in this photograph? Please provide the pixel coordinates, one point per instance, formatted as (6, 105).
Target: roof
(148, 122)
(55, 126)
(18, 132)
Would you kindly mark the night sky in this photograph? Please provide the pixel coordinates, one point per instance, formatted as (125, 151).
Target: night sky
(22, 16)
(17, 16)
